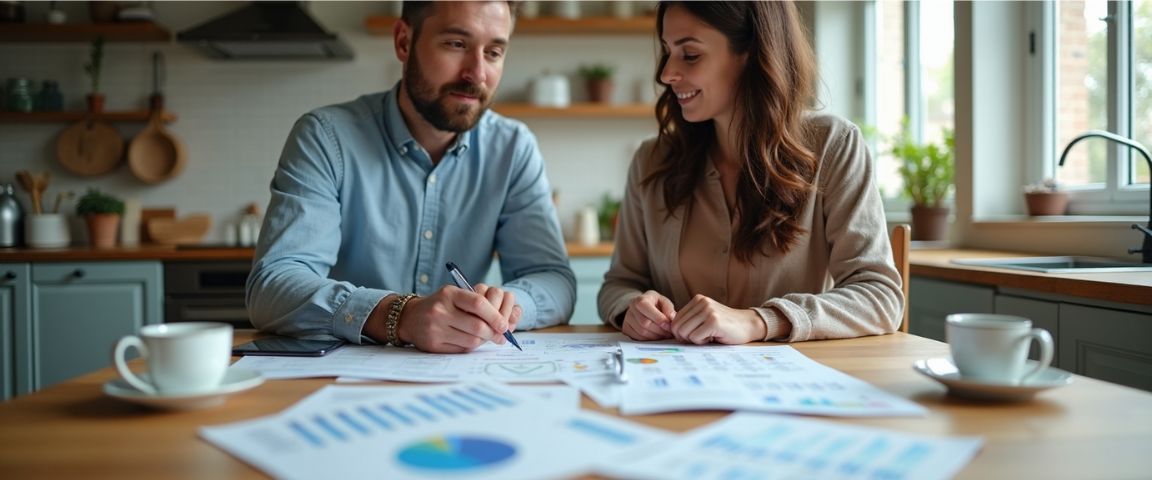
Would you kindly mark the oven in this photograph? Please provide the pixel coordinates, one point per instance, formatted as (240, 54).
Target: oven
(213, 291)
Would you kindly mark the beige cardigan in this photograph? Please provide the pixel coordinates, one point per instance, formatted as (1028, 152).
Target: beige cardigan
(838, 281)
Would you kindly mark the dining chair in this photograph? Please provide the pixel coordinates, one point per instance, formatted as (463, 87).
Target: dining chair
(901, 238)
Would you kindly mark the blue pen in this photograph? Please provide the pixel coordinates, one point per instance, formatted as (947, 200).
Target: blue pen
(462, 282)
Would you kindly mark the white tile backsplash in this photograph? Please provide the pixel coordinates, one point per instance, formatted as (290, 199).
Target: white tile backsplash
(234, 116)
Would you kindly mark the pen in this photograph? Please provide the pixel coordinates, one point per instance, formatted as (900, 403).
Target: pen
(462, 282)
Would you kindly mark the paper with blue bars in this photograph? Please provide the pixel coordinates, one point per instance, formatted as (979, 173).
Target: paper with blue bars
(474, 430)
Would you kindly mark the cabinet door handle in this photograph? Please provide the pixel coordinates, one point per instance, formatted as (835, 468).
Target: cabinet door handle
(78, 273)
(10, 275)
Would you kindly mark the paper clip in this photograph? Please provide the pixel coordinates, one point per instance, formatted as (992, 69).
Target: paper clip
(618, 361)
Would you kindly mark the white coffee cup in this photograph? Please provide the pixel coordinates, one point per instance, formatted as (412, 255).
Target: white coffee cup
(993, 348)
(182, 358)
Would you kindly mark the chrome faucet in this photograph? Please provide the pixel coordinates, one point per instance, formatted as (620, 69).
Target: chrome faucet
(1147, 247)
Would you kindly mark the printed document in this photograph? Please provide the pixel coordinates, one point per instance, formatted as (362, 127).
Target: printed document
(671, 377)
(761, 446)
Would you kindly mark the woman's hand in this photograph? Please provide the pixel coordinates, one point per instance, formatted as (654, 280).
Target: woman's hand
(649, 317)
(704, 320)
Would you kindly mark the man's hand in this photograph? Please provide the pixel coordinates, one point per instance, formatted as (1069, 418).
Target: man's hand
(704, 320)
(454, 320)
(649, 317)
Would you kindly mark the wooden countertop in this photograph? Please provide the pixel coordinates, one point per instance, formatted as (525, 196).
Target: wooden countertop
(197, 252)
(1088, 429)
(1128, 287)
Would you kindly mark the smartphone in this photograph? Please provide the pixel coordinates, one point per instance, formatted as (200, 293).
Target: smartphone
(288, 347)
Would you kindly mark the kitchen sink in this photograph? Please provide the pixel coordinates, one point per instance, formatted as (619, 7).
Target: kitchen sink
(1059, 264)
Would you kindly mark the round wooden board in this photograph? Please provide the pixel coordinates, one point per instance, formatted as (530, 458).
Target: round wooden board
(90, 148)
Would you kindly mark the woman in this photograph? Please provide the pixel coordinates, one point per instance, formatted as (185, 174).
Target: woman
(748, 217)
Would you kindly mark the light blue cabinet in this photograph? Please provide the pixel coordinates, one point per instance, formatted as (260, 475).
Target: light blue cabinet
(931, 301)
(589, 276)
(63, 318)
(15, 279)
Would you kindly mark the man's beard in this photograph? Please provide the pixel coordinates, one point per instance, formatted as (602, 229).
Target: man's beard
(433, 105)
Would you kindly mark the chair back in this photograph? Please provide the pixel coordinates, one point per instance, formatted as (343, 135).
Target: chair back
(901, 238)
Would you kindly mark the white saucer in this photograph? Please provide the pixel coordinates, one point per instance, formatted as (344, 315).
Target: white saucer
(235, 380)
(942, 370)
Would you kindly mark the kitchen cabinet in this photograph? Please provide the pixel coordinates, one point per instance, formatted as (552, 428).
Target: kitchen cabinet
(14, 284)
(931, 301)
(1111, 345)
(589, 277)
(73, 313)
(1099, 339)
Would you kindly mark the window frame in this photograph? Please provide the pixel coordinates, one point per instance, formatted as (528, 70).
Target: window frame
(1118, 196)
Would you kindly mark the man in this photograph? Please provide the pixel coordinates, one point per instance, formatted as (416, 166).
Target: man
(373, 197)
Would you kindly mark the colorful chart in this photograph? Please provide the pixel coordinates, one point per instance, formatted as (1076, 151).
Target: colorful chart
(454, 453)
(644, 360)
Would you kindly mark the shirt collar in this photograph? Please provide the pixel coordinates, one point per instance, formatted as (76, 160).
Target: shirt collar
(397, 130)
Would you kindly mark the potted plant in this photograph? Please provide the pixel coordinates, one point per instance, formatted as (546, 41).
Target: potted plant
(101, 213)
(92, 68)
(927, 172)
(608, 215)
(1045, 198)
(598, 81)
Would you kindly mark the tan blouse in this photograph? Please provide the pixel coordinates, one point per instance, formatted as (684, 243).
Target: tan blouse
(838, 281)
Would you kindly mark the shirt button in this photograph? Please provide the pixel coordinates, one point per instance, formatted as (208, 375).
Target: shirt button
(403, 150)
(428, 234)
(432, 178)
(348, 318)
(424, 278)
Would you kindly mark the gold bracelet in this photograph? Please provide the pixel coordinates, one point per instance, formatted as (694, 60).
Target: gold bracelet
(393, 320)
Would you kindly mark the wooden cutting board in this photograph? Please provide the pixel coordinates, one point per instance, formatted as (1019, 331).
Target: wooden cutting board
(89, 148)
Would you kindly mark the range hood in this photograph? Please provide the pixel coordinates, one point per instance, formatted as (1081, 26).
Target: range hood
(266, 31)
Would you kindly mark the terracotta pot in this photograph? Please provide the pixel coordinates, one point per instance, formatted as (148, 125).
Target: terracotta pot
(95, 102)
(102, 229)
(599, 90)
(929, 223)
(1046, 203)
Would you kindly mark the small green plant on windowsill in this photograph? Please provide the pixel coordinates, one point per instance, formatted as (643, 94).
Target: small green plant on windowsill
(927, 169)
(598, 81)
(96, 201)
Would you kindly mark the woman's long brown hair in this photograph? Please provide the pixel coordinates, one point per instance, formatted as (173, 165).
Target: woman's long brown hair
(772, 95)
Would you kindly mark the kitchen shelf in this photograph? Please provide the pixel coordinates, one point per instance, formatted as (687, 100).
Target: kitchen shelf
(381, 25)
(576, 110)
(67, 117)
(84, 32)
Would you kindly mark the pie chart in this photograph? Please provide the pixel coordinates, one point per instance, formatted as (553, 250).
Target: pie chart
(455, 453)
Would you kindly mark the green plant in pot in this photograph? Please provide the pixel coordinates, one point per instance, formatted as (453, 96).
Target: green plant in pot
(101, 213)
(1045, 198)
(598, 80)
(92, 69)
(927, 170)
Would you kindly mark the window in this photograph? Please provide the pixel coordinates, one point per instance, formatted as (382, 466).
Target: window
(1103, 75)
(921, 90)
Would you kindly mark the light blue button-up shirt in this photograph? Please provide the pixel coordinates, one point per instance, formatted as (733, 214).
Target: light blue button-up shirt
(359, 212)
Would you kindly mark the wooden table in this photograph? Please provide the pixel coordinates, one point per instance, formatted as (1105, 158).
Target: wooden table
(1090, 429)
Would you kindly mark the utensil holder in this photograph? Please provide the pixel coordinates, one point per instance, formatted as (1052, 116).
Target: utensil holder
(47, 230)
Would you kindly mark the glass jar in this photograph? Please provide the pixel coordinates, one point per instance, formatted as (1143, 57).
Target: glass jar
(50, 99)
(20, 95)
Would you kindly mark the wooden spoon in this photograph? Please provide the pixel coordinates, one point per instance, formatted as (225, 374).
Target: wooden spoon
(156, 155)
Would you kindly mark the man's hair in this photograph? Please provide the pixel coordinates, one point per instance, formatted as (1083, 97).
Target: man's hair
(772, 95)
(414, 13)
